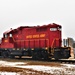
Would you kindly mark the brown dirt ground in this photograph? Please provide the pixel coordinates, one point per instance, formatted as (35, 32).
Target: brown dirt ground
(23, 71)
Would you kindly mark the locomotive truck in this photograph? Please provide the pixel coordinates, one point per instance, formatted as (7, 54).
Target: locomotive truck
(38, 42)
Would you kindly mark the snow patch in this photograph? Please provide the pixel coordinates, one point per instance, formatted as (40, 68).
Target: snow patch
(8, 73)
(69, 65)
(5, 63)
(46, 69)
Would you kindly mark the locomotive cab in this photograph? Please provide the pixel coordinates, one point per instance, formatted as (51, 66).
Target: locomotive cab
(56, 50)
(7, 41)
(55, 36)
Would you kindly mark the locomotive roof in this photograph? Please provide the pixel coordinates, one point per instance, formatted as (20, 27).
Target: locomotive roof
(50, 25)
(13, 30)
(29, 27)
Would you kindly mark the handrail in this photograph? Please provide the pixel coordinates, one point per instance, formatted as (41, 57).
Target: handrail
(54, 41)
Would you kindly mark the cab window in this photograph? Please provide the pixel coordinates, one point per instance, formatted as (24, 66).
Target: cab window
(53, 29)
(5, 35)
(10, 35)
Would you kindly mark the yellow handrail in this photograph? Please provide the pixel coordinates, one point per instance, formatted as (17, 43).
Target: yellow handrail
(54, 41)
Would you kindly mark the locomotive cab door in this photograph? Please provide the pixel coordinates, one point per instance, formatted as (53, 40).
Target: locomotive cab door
(55, 37)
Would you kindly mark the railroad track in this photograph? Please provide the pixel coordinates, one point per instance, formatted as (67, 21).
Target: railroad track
(66, 61)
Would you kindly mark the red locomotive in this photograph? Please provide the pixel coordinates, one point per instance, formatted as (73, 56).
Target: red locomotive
(40, 42)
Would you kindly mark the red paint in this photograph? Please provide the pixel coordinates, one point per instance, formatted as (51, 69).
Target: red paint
(33, 37)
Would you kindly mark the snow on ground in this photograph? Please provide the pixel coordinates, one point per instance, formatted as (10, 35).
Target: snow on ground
(8, 73)
(12, 64)
(67, 69)
(69, 65)
(53, 70)
(46, 69)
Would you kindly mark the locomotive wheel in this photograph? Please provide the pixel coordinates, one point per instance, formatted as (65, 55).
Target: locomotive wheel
(11, 56)
(5, 54)
(45, 55)
(20, 57)
(36, 55)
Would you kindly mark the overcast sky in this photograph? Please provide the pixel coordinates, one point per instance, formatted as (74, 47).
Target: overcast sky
(15, 13)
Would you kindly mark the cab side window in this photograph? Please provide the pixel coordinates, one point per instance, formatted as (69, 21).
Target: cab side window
(5, 36)
(10, 35)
